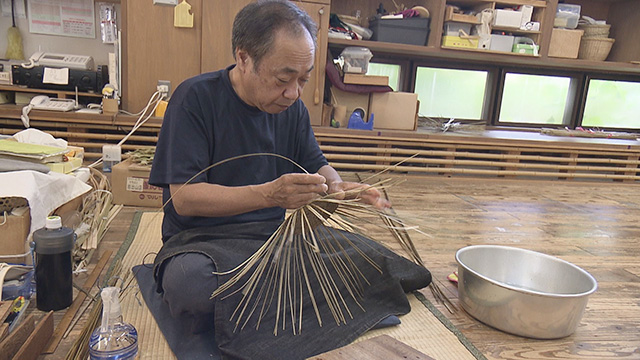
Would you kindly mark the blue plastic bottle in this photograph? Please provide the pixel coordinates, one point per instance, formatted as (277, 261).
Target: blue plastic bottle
(113, 339)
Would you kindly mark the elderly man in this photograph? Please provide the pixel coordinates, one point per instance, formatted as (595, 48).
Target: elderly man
(250, 107)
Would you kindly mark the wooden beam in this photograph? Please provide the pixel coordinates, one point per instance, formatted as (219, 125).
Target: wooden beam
(10, 346)
(382, 347)
(5, 310)
(32, 347)
(4, 331)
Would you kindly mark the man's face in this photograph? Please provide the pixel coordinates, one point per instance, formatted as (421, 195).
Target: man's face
(278, 80)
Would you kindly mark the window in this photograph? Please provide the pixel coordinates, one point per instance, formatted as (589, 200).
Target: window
(612, 104)
(535, 99)
(390, 70)
(451, 93)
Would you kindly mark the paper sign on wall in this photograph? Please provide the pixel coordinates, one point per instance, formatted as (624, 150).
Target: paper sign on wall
(63, 17)
(182, 16)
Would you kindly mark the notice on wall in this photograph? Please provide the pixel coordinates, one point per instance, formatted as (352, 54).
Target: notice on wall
(62, 17)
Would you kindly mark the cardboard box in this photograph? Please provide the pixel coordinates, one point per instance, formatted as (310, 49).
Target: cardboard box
(13, 235)
(130, 185)
(565, 43)
(361, 79)
(394, 110)
(351, 101)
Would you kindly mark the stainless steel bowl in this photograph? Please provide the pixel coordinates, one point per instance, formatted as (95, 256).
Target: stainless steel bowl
(522, 292)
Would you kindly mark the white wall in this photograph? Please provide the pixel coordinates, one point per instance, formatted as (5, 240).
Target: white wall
(58, 44)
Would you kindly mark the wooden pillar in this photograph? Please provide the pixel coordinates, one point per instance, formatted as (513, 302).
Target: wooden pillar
(513, 160)
(572, 161)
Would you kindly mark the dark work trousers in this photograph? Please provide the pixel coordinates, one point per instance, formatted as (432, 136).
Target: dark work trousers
(187, 283)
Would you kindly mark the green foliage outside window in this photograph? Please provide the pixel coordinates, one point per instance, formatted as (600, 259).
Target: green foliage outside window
(534, 99)
(612, 104)
(450, 93)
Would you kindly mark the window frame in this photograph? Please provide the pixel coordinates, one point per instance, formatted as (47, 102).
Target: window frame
(490, 86)
(405, 74)
(583, 103)
(576, 98)
(572, 102)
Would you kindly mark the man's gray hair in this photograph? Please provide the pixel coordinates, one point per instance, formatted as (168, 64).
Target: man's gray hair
(255, 26)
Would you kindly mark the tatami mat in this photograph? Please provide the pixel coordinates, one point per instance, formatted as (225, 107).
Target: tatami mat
(420, 329)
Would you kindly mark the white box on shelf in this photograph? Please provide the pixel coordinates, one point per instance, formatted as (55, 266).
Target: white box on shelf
(501, 42)
(527, 13)
(507, 18)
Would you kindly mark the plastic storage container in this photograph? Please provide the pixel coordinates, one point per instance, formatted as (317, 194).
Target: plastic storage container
(567, 16)
(412, 31)
(501, 42)
(24, 286)
(452, 28)
(356, 59)
(53, 245)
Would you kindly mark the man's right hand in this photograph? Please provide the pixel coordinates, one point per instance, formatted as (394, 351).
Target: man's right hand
(291, 191)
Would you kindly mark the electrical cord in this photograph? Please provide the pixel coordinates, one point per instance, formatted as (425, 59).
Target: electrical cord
(25, 115)
(154, 101)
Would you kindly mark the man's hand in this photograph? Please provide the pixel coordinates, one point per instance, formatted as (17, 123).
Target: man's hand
(367, 194)
(291, 191)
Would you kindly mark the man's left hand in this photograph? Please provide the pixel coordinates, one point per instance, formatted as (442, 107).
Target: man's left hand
(367, 194)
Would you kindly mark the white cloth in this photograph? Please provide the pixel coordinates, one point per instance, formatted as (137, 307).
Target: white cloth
(44, 192)
(35, 136)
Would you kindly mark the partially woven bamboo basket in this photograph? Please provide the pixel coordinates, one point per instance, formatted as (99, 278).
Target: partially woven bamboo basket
(595, 30)
(596, 49)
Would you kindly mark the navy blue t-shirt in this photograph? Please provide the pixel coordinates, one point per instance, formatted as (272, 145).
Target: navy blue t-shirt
(206, 122)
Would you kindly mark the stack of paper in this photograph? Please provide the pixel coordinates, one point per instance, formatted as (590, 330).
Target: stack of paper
(63, 160)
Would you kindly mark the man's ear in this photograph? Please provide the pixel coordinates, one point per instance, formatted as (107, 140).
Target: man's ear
(243, 60)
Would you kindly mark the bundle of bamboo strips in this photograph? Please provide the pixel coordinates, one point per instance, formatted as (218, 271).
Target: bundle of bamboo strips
(97, 214)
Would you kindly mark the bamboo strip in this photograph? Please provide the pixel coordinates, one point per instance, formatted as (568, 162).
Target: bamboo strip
(97, 145)
(498, 146)
(63, 125)
(329, 148)
(418, 139)
(53, 117)
(373, 167)
(429, 161)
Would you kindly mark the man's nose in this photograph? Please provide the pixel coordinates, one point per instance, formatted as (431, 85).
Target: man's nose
(292, 91)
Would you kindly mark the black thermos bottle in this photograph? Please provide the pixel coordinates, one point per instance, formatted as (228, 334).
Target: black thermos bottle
(54, 283)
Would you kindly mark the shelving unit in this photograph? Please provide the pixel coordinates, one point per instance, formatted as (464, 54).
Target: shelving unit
(622, 14)
(431, 52)
(54, 93)
(90, 131)
(478, 6)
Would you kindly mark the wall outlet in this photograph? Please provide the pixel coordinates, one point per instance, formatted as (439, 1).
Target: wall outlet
(165, 2)
(165, 87)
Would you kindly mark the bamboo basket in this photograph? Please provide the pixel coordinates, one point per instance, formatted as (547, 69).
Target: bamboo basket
(595, 30)
(596, 49)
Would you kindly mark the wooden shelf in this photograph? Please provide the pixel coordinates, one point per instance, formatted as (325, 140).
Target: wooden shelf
(55, 118)
(534, 3)
(515, 30)
(431, 52)
(487, 51)
(58, 93)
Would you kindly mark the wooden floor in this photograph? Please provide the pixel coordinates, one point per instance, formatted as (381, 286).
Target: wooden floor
(593, 225)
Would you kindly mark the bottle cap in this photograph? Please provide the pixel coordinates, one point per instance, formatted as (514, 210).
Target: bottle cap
(110, 305)
(53, 222)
